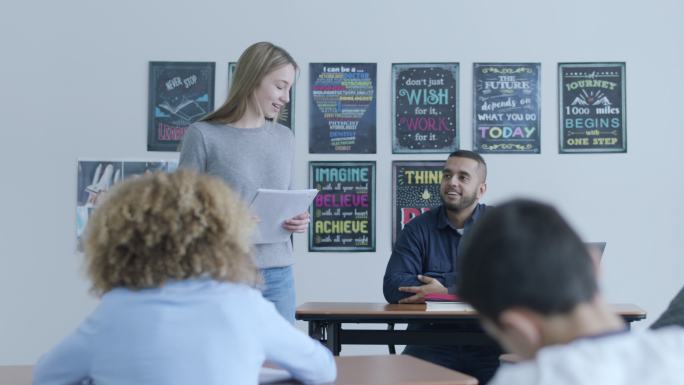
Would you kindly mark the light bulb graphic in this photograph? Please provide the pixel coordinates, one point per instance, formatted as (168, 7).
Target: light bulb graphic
(343, 98)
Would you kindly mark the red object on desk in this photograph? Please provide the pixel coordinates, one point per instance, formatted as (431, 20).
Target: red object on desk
(438, 297)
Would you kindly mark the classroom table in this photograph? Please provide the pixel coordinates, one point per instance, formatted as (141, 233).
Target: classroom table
(351, 370)
(15, 374)
(326, 318)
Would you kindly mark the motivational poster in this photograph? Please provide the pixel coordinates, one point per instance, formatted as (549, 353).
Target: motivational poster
(506, 108)
(425, 108)
(180, 94)
(95, 178)
(592, 107)
(415, 190)
(286, 115)
(343, 216)
(342, 108)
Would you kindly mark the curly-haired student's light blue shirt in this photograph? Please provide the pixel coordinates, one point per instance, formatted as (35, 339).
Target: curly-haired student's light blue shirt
(195, 331)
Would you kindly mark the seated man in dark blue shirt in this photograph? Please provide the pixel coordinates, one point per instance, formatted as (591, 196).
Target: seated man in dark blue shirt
(423, 260)
(674, 314)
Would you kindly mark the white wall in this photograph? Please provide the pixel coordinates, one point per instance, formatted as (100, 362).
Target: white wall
(74, 84)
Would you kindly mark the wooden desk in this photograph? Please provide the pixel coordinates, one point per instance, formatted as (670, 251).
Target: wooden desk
(351, 370)
(326, 318)
(16, 375)
(393, 370)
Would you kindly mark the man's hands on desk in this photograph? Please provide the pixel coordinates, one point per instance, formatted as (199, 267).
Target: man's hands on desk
(431, 285)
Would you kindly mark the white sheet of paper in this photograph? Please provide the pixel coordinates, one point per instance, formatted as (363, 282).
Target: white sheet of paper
(270, 375)
(273, 207)
(447, 306)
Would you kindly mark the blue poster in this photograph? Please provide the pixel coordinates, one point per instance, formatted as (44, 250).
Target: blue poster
(343, 108)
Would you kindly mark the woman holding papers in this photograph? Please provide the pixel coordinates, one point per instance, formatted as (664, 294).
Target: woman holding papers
(242, 143)
(169, 255)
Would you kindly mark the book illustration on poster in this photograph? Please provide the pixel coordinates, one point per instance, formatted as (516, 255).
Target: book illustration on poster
(180, 93)
(273, 207)
(186, 109)
(445, 302)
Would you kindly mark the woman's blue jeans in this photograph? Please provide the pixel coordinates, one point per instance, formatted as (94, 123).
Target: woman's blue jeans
(278, 287)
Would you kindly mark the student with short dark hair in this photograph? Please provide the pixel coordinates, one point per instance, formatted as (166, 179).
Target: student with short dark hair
(533, 282)
(169, 254)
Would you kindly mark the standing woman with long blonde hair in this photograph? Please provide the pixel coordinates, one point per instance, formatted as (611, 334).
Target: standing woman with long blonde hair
(242, 143)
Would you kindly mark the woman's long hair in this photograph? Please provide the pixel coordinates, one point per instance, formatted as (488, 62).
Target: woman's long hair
(254, 64)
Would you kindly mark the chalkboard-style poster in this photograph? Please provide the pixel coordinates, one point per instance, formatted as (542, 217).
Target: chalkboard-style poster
(506, 108)
(415, 190)
(592, 107)
(180, 94)
(286, 116)
(344, 210)
(424, 108)
(343, 108)
(95, 178)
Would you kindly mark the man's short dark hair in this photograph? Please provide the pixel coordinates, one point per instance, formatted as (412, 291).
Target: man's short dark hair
(524, 254)
(474, 156)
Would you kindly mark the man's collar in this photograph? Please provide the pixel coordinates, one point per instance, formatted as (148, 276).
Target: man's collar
(443, 219)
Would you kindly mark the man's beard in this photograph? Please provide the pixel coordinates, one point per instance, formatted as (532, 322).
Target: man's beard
(466, 201)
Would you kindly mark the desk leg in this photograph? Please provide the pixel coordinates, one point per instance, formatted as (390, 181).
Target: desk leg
(392, 348)
(316, 330)
(327, 333)
(332, 331)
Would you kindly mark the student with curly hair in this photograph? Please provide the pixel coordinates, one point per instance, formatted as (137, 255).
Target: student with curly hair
(170, 256)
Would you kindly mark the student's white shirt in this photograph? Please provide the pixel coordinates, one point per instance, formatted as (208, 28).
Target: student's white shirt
(196, 331)
(651, 357)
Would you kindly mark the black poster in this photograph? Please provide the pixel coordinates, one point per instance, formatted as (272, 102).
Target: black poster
(342, 109)
(592, 107)
(425, 108)
(415, 190)
(180, 94)
(286, 116)
(344, 210)
(506, 108)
